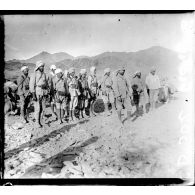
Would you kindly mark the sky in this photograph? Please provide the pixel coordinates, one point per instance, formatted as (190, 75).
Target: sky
(28, 35)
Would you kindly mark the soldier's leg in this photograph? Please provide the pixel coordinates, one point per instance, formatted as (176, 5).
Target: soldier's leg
(26, 103)
(75, 103)
(22, 107)
(53, 107)
(92, 105)
(82, 106)
(105, 100)
(70, 109)
(38, 111)
(119, 109)
(58, 109)
(43, 106)
(156, 93)
(151, 96)
(63, 107)
(127, 104)
(67, 108)
(111, 100)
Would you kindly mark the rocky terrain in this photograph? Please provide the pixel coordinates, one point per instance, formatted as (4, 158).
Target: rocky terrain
(148, 146)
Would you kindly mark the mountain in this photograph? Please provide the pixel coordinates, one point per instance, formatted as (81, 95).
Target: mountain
(49, 58)
(165, 60)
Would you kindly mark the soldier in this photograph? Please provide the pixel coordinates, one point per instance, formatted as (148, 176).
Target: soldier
(153, 84)
(122, 93)
(66, 74)
(51, 78)
(10, 97)
(107, 91)
(61, 92)
(23, 92)
(39, 90)
(93, 88)
(66, 112)
(74, 93)
(84, 92)
(140, 96)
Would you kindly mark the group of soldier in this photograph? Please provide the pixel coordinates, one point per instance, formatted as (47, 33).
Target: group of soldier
(68, 91)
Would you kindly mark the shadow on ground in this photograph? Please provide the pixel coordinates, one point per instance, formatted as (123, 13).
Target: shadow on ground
(54, 164)
(39, 141)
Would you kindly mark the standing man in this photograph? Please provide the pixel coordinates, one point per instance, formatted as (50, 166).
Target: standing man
(84, 90)
(39, 90)
(74, 92)
(68, 98)
(140, 96)
(61, 91)
(107, 91)
(23, 92)
(153, 84)
(93, 88)
(51, 78)
(122, 93)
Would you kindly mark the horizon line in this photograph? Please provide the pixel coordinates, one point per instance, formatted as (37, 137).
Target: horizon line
(91, 55)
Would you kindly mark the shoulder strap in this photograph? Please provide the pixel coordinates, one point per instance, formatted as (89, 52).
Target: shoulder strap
(22, 81)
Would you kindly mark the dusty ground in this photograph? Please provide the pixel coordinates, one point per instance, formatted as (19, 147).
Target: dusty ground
(151, 145)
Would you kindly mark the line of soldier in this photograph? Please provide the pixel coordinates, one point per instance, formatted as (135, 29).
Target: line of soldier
(67, 91)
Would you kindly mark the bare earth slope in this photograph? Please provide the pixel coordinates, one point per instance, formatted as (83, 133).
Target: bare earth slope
(151, 146)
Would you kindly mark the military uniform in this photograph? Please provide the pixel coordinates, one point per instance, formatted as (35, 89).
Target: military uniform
(24, 93)
(74, 91)
(107, 90)
(39, 86)
(61, 93)
(84, 94)
(51, 78)
(93, 86)
(122, 89)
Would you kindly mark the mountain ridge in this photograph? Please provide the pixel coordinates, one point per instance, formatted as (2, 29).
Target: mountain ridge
(165, 60)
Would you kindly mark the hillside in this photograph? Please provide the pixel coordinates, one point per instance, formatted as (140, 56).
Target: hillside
(49, 58)
(165, 60)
